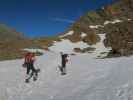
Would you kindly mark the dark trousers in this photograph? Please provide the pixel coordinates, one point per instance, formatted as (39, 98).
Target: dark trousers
(63, 69)
(63, 65)
(30, 67)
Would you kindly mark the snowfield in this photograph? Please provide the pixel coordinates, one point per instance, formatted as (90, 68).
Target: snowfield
(87, 78)
(67, 34)
(83, 34)
(96, 26)
(101, 50)
(67, 46)
(113, 22)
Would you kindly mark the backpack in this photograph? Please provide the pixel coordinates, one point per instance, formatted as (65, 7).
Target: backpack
(24, 65)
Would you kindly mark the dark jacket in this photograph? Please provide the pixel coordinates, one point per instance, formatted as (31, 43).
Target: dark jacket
(64, 59)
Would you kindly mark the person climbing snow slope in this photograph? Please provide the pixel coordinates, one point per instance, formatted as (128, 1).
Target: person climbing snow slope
(64, 60)
(29, 64)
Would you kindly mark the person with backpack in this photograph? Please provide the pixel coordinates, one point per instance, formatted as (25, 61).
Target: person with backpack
(25, 64)
(64, 60)
(29, 64)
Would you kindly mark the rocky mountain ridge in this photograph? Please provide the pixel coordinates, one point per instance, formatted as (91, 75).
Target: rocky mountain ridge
(113, 20)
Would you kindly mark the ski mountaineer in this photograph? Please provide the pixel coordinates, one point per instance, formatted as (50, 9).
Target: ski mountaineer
(64, 60)
(29, 64)
(26, 60)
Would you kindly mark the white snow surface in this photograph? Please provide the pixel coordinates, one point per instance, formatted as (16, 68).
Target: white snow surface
(34, 50)
(67, 46)
(113, 22)
(83, 35)
(87, 79)
(129, 19)
(100, 48)
(96, 26)
(67, 34)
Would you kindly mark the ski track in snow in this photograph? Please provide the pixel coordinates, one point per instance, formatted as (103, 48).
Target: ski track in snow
(87, 79)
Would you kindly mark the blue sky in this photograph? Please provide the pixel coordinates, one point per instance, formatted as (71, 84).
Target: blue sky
(44, 17)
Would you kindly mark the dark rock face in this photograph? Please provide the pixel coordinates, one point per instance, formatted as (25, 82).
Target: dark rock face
(120, 9)
(80, 28)
(88, 49)
(120, 37)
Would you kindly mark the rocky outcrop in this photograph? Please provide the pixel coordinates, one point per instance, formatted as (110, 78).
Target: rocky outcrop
(115, 20)
(120, 38)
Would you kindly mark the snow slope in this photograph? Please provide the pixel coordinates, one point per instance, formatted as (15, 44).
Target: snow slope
(67, 46)
(113, 22)
(83, 34)
(96, 26)
(101, 50)
(67, 34)
(87, 79)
